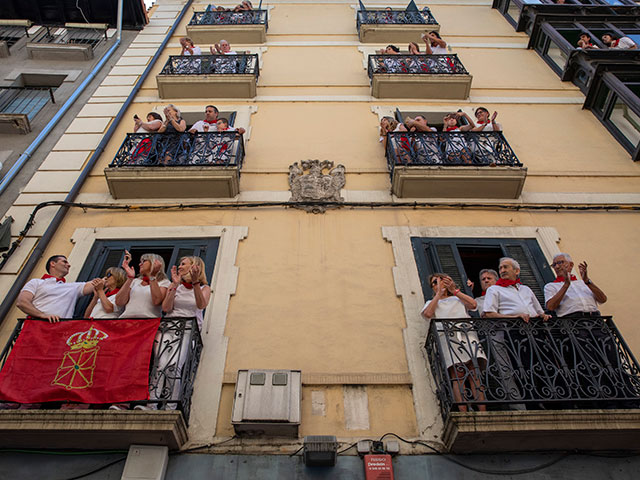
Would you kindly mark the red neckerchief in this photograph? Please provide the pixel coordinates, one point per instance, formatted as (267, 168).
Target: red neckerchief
(561, 279)
(146, 279)
(210, 123)
(502, 282)
(615, 43)
(112, 292)
(483, 293)
(451, 128)
(187, 285)
(46, 275)
(482, 123)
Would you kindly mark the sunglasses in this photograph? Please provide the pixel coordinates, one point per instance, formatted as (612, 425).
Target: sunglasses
(108, 275)
(435, 282)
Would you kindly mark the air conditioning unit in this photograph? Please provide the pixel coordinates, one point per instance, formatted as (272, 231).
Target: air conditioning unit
(267, 402)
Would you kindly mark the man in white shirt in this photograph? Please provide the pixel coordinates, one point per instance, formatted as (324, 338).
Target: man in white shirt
(488, 278)
(611, 40)
(50, 297)
(509, 298)
(567, 294)
(209, 124)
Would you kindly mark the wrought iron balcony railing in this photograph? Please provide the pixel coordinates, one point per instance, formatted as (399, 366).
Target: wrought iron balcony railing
(449, 149)
(12, 34)
(24, 100)
(564, 363)
(395, 17)
(225, 149)
(416, 64)
(214, 17)
(71, 36)
(176, 355)
(212, 64)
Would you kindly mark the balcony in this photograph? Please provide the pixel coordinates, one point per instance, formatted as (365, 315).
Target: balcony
(211, 26)
(418, 76)
(209, 76)
(158, 165)
(396, 26)
(76, 41)
(11, 32)
(19, 106)
(453, 165)
(564, 384)
(176, 354)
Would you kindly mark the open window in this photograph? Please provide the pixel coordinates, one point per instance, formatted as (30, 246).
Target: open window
(110, 253)
(463, 258)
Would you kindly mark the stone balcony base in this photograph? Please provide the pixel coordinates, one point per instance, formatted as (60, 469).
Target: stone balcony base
(458, 181)
(169, 182)
(388, 33)
(91, 429)
(232, 85)
(14, 123)
(436, 86)
(246, 34)
(542, 430)
(53, 51)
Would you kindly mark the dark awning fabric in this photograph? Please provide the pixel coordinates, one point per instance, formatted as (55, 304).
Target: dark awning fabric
(5, 234)
(59, 12)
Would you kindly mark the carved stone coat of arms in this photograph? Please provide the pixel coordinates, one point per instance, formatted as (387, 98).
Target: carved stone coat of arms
(316, 186)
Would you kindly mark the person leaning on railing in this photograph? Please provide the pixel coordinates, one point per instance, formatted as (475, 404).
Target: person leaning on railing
(188, 47)
(434, 43)
(188, 293)
(153, 123)
(456, 148)
(462, 354)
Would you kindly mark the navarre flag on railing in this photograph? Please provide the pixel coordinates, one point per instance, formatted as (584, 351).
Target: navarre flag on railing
(86, 361)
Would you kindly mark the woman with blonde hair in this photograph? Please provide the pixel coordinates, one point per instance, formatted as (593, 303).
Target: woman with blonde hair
(142, 296)
(461, 351)
(188, 294)
(103, 303)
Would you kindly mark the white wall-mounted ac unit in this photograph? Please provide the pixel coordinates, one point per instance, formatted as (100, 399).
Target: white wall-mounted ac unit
(267, 402)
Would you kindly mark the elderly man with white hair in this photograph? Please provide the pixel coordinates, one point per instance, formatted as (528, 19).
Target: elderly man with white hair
(568, 295)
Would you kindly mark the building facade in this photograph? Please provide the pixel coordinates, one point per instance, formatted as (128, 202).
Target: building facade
(318, 236)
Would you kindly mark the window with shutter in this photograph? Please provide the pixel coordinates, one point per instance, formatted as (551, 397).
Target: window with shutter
(110, 253)
(463, 258)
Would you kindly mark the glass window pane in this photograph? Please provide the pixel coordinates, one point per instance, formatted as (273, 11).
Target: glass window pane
(626, 121)
(513, 11)
(557, 55)
(601, 99)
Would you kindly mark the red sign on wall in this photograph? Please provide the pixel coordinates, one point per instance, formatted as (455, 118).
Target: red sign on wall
(378, 467)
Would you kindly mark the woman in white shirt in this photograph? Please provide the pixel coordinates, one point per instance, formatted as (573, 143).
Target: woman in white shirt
(188, 48)
(142, 296)
(434, 43)
(188, 293)
(103, 303)
(462, 347)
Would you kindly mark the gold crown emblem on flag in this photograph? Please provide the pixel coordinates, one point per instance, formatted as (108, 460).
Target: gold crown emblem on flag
(86, 340)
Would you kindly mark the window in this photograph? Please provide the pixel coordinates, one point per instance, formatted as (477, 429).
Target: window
(193, 117)
(434, 118)
(463, 258)
(110, 253)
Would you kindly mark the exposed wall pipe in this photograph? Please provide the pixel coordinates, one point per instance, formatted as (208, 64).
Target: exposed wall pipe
(22, 159)
(33, 259)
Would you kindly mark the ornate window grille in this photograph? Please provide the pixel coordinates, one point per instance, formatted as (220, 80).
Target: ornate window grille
(180, 149)
(562, 363)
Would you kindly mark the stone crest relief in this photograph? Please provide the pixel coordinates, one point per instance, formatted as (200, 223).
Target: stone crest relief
(316, 186)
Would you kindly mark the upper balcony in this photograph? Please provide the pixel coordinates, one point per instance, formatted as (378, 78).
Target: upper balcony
(76, 41)
(157, 165)
(393, 26)
(176, 354)
(453, 165)
(211, 26)
(418, 76)
(557, 43)
(564, 384)
(525, 14)
(209, 76)
(19, 105)
(11, 32)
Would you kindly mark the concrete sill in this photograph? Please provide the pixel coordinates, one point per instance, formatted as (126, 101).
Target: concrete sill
(14, 123)
(58, 51)
(90, 429)
(436, 86)
(542, 430)
(245, 34)
(167, 182)
(389, 33)
(233, 85)
(458, 182)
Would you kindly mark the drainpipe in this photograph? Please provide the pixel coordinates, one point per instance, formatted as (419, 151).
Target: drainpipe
(22, 160)
(41, 246)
